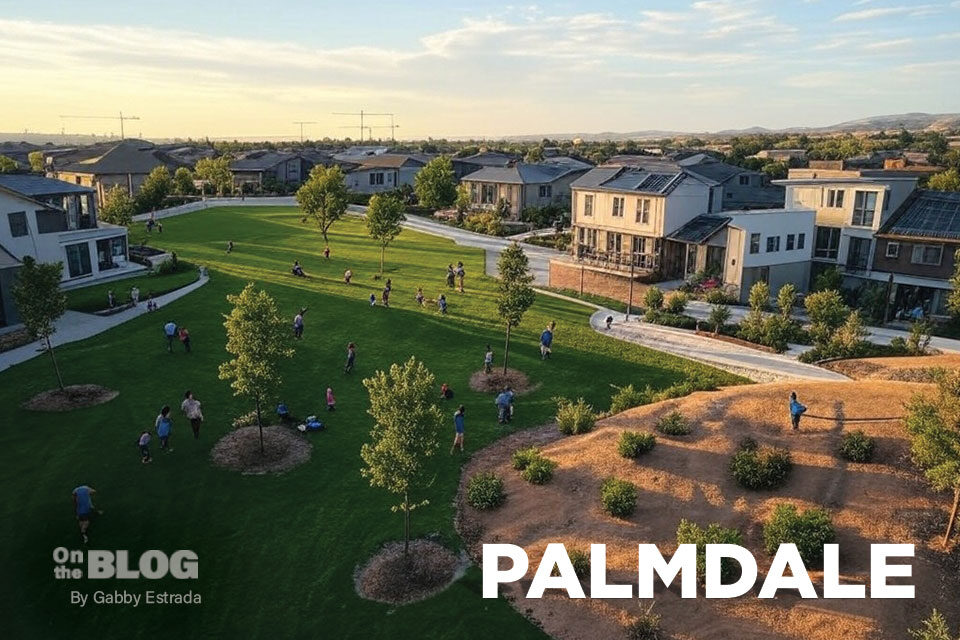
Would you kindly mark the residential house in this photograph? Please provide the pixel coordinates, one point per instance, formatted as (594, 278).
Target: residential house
(468, 164)
(55, 221)
(382, 172)
(916, 251)
(878, 164)
(524, 185)
(254, 169)
(101, 167)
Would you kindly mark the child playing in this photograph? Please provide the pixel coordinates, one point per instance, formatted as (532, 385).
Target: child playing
(347, 275)
(331, 401)
(144, 444)
(442, 304)
(351, 357)
(488, 360)
(796, 410)
(419, 297)
(373, 299)
(185, 339)
(164, 426)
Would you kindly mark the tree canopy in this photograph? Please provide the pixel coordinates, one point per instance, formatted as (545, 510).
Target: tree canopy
(155, 188)
(514, 293)
(37, 161)
(8, 164)
(183, 182)
(40, 301)
(948, 180)
(384, 221)
(215, 172)
(118, 207)
(323, 197)
(436, 184)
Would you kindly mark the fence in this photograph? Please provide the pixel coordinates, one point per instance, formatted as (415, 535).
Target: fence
(207, 203)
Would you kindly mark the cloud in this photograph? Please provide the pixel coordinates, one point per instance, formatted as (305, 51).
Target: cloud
(879, 12)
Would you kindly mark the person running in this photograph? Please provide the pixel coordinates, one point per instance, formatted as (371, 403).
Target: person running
(144, 443)
(298, 325)
(326, 252)
(419, 297)
(451, 275)
(546, 340)
(83, 507)
(164, 426)
(191, 408)
(442, 304)
(331, 401)
(347, 275)
(503, 407)
(351, 357)
(488, 360)
(796, 411)
(458, 424)
(185, 339)
(460, 275)
(170, 330)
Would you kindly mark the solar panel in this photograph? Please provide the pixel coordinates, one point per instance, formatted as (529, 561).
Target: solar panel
(654, 182)
(936, 216)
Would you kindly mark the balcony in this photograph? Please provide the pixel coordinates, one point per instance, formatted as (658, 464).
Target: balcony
(617, 261)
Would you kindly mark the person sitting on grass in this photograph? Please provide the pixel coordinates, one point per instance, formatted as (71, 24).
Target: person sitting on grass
(144, 443)
(445, 391)
(298, 270)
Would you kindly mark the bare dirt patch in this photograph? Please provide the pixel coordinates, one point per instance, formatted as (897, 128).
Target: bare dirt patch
(901, 369)
(496, 380)
(394, 579)
(74, 396)
(883, 502)
(239, 450)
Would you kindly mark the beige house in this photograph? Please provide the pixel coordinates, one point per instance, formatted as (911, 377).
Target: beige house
(524, 185)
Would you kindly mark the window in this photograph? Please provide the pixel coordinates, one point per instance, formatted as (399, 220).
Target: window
(835, 198)
(827, 243)
(614, 241)
(893, 250)
(790, 241)
(744, 181)
(587, 206)
(754, 243)
(858, 254)
(928, 254)
(78, 259)
(639, 244)
(546, 191)
(864, 205)
(617, 207)
(18, 223)
(587, 237)
(376, 178)
(773, 244)
(474, 196)
(643, 210)
(488, 194)
(801, 240)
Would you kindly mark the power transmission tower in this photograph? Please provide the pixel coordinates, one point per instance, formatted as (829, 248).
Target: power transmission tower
(361, 113)
(301, 123)
(121, 118)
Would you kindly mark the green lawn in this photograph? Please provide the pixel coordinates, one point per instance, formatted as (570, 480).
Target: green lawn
(94, 298)
(277, 553)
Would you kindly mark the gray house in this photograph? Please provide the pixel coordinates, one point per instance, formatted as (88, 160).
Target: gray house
(525, 185)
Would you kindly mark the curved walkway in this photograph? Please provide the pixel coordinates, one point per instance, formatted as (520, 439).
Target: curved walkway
(73, 325)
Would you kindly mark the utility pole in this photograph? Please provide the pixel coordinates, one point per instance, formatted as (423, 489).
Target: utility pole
(361, 113)
(301, 123)
(121, 118)
(393, 137)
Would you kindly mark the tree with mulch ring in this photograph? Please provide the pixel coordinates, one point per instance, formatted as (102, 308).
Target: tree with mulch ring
(495, 381)
(253, 451)
(70, 397)
(40, 302)
(395, 577)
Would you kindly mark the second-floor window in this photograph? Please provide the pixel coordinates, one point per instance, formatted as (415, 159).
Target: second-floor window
(835, 198)
(827, 243)
(927, 254)
(546, 191)
(744, 181)
(893, 250)
(754, 243)
(643, 210)
(617, 207)
(790, 241)
(864, 206)
(18, 223)
(801, 240)
(587, 206)
(773, 243)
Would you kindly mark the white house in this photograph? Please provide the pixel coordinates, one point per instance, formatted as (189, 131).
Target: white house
(55, 221)
(382, 172)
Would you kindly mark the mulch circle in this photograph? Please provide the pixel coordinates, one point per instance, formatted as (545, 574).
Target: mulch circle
(496, 380)
(74, 396)
(239, 450)
(391, 578)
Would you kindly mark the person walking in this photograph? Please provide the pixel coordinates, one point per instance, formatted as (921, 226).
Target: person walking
(351, 357)
(488, 360)
(83, 508)
(230, 246)
(185, 339)
(331, 400)
(326, 252)
(419, 297)
(385, 296)
(298, 325)
(191, 408)
(460, 276)
(111, 300)
(442, 304)
(347, 275)
(135, 295)
(451, 275)
(143, 442)
(164, 426)
(458, 428)
(796, 411)
(546, 340)
(170, 330)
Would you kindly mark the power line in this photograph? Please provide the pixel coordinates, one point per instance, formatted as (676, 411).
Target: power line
(361, 113)
(121, 118)
(301, 123)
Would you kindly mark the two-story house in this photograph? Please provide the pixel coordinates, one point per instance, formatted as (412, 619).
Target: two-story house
(382, 172)
(523, 184)
(253, 169)
(55, 221)
(916, 251)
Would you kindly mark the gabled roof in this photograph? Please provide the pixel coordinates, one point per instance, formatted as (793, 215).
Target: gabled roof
(126, 156)
(926, 214)
(656, 178)
(389, 161)
(34, 186)
(260, 160)
(700, 229)
(524, 173)
(490, 159)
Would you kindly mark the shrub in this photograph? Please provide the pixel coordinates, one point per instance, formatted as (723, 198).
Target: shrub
(168, 266)
(719, 316)
(645, 626)
(619, 497)
(828, 279)
(856, 446)
(673, 424)
(653, 298)
(539, 470)
(919, 340)
(580, 560)
(677, 303)
(809, 531)
(933, 628)
(718, 296)
(487, 222)
(759, 296)
(786, 299)
(759, 468)
(485, 491)
(633, 443)
(574, 417)
(628, 397)
(523, 457)
(245, 420)
(692, 533)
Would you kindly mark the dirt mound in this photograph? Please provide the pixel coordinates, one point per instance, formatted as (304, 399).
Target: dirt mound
(901, 369)
(496, 380)
(75, 396)
(239, 450)
(883, 502)
(392, 578)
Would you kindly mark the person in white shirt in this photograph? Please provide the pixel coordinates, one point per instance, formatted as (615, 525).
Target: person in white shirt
(191, 408)
(135, 295)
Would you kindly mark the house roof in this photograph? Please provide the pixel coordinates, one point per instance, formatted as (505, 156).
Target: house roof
(524, 173)
(7, 259)
(700, 229)
(389, 161)
(33, 186)
(926, 214)
(657, 178)
(490, 159)
(260, 160)
(126, 156)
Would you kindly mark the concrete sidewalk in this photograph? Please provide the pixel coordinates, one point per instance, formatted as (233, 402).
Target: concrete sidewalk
(73, 325)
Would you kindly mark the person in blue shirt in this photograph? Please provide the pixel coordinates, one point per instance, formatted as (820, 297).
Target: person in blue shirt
(164, 425)
(796, 410)
(546, 340)
(458, 425)
(442, 304)
(83, 507)
(170, 330)
(503, 401)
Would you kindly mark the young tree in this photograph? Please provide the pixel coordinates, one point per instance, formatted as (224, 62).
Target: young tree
(155, 188)
(932, 628)
(463, 201)
(40, 301)
(436, 184)
(406, 432)
(384, 221)
(8, 164)
(183, 182)
(258, 340)
(934, 428)
(118, 207)
(323, 197)
(37, 161)
(514, 293)
(216, 172)
(786, 299)
(827, 313)
(948, 180)
(719, 316)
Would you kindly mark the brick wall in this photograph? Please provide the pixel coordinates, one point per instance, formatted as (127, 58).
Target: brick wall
(567, 275)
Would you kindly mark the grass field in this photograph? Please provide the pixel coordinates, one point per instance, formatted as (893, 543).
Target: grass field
(277, 553)
(94, 298)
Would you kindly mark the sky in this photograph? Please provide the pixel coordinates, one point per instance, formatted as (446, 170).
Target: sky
(451, 68)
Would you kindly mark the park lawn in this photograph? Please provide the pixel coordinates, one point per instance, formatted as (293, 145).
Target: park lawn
(94, 297)
(277, 553)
